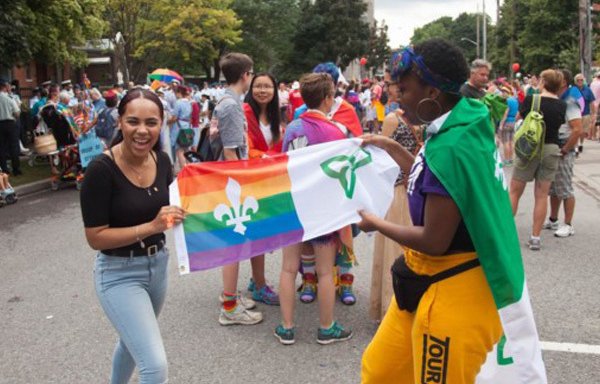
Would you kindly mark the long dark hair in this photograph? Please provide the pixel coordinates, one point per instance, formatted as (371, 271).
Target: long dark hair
(272, 107)
(138, 93)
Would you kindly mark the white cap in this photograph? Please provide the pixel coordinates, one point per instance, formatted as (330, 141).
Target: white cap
(295, 85)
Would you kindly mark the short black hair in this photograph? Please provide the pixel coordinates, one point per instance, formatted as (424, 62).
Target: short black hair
(444, 58)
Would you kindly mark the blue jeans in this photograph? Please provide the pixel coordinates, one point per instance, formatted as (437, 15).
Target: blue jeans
(132, 291)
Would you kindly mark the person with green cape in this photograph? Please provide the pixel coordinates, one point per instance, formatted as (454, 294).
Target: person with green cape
(461, 310)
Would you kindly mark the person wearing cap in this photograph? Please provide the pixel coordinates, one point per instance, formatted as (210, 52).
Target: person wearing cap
(295, 100)
(9, 132)
(67, 86)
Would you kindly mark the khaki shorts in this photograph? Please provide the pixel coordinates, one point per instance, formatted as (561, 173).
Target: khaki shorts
(540, 169)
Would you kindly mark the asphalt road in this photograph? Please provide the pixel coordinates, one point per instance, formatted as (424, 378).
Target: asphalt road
(54, 331)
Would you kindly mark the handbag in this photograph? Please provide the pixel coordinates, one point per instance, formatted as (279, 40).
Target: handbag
(185, 137)
(410, 287)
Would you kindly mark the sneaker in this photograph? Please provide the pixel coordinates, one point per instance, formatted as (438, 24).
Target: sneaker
(284, 335)
(308, 290)
(242, 300)
(240, 316)
(534, 244)
(553, 225)
(565, 230)
(266, 295)
(251, 285)
(345, 289)
(334, 334)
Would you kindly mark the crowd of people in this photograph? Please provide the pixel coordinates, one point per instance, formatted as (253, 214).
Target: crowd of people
(150, 134)
(570, 114)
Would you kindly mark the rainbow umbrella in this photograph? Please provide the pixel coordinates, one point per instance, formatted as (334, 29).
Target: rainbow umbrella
(165, 75)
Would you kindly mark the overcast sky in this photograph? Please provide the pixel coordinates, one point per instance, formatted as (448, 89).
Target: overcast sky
(403, 16)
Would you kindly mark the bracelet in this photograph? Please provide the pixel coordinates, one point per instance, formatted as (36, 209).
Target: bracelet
(137, 237)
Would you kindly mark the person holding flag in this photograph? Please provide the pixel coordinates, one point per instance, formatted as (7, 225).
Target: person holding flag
(461, 312)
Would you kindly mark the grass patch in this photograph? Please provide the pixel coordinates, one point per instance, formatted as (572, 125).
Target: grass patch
(31, 174)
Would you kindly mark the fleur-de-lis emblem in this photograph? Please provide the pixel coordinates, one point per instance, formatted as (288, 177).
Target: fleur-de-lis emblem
(238, 213)
(344, 169)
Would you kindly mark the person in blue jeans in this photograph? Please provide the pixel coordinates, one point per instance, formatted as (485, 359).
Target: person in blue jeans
(125, 209)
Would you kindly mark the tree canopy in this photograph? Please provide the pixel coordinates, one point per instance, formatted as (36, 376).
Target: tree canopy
(49, 30)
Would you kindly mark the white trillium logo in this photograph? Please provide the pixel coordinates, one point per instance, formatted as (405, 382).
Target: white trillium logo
(238, 213)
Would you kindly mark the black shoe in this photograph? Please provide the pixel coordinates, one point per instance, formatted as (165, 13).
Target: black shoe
(580, 148)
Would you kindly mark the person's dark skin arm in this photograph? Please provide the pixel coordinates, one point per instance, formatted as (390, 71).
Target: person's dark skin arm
(442, 218)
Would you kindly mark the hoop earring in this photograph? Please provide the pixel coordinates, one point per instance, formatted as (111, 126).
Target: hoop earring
(420, 105)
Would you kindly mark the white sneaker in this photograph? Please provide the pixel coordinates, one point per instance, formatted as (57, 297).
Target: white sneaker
(242, 300)
(240, 316)
(565, 230)
(553, 225)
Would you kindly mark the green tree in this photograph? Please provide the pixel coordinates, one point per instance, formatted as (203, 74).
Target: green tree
(328, 30)
(185, 35)
(538, 34)
(461, 31)
(48, 30)
(268, 26)
(378, 50)
(437, 28)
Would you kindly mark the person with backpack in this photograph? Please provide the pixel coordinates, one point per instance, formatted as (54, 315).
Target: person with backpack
(107, 118)
(228, 127)
(543, 164)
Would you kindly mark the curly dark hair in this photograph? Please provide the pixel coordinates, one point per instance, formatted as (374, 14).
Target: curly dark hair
(444, 59)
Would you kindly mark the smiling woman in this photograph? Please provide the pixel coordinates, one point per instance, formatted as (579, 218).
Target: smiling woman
(124, 204)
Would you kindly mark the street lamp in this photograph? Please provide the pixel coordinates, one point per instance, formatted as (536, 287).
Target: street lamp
(472, 42)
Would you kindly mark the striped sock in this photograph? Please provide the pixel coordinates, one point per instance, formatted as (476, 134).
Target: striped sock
(308, 264)
(229, 302)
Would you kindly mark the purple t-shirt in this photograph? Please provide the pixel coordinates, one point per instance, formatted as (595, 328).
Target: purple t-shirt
(423, 181)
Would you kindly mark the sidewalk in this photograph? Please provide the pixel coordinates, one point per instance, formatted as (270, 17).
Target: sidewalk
(587, 169)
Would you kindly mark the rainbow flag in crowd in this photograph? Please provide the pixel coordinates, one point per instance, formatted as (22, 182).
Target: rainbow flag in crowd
(240, 209)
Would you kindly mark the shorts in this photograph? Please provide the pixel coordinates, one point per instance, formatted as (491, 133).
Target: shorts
(562, 187)
(544, 169)
(325, 239)
(507, 133)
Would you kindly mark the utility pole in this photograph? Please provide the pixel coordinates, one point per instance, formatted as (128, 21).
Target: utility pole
(585, 38)
(484, 21)
(478, 29)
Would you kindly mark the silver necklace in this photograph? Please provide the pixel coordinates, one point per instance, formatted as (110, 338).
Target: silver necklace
(138, 175)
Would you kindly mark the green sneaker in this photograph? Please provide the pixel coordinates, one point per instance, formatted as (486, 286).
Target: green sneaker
(333, 334)
(285, 335)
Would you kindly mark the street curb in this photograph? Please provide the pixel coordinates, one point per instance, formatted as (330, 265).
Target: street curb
(36, 186)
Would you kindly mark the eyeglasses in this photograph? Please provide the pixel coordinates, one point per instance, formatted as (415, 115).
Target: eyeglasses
(250, 73)
(263, 86)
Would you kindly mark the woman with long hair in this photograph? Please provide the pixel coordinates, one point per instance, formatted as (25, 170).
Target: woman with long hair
(261, 108)
(125, 209)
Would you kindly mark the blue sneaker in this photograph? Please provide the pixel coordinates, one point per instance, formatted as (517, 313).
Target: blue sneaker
(251, 285)
(285, 335)
(333, 334)
(265, 295)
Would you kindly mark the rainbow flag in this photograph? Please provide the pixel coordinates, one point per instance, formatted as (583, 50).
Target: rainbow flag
(240, 209)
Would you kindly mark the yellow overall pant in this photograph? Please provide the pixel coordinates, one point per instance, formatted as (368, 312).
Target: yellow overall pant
(446, 340)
